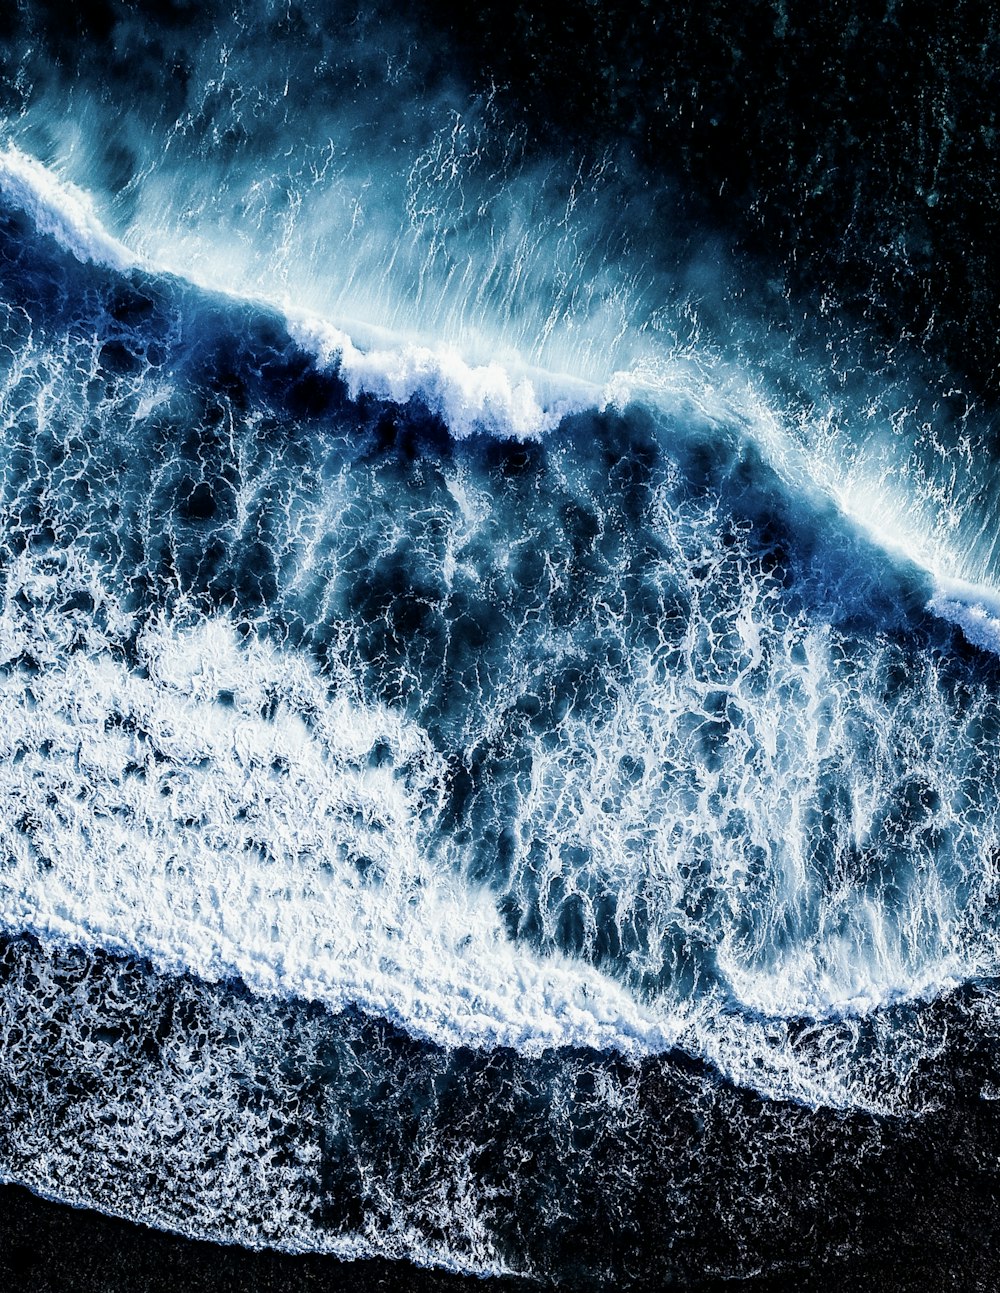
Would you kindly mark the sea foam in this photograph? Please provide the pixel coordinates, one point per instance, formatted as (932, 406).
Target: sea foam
(62, 210)
(490, 398)
(973, 607)
(128, 793)
(148, 816)
(220, 809)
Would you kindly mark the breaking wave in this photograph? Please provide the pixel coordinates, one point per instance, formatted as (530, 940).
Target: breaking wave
(405, 727)
(725, 782)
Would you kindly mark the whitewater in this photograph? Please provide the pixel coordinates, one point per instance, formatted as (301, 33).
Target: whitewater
(410, 947)
(566, 719)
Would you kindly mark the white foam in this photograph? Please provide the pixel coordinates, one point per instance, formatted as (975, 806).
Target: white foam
(973, 607)
(266, 849)
(62, 210)
(224, 812)
(485, 397)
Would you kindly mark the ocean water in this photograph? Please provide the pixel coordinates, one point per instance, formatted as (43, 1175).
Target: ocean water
(469, 723)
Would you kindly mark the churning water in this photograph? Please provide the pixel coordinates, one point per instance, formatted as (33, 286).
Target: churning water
(439, 676)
